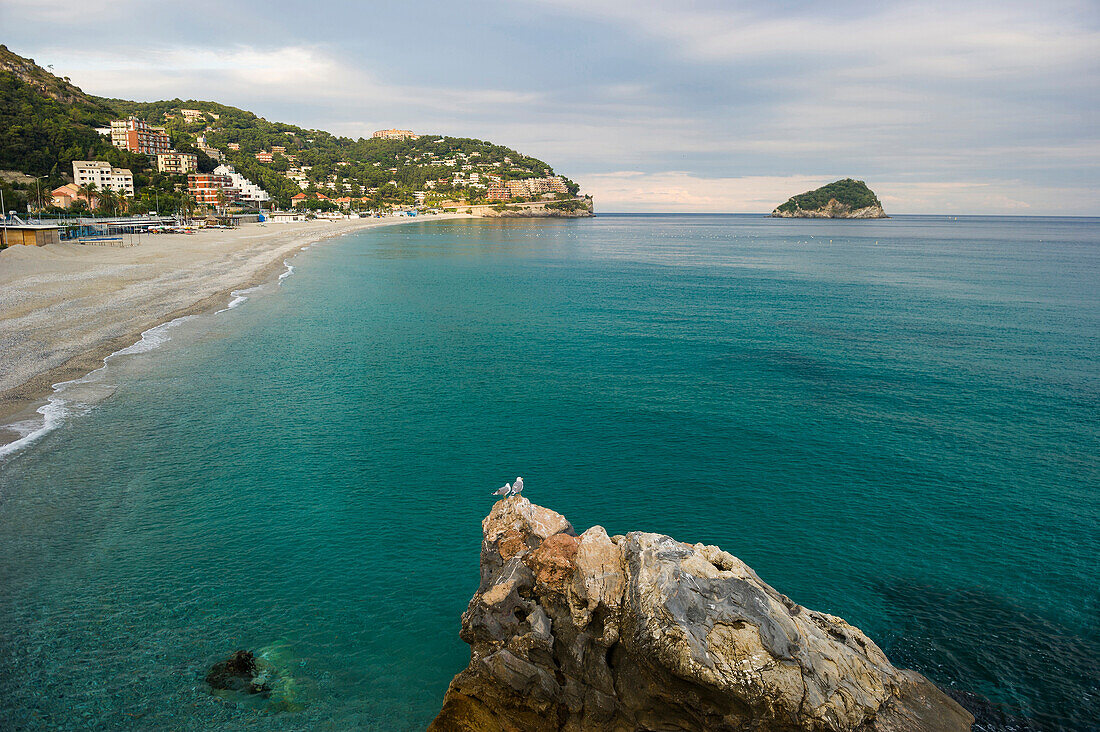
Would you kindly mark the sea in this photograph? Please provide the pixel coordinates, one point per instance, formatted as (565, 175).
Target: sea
(893, 421)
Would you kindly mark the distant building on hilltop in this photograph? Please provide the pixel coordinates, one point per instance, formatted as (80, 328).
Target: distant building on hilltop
(247, 190)
(100, 174)
(191, 115)
(177, 163)
(396, 135)
(136, 136)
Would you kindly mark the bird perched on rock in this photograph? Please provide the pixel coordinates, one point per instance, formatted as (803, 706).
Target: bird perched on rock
(517, 487)
(504, 490)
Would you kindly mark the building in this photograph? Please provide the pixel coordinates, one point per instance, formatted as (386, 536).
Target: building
(395, 135)
(206, 187)
(100, 174)
(498, 192)
(247, 190)
(264, 156)
(278, 150)
(299, 199)
(177, 163)
(233, 145)
(529, 187)
(213, 152)
(192, 115)
(36, 235)
(136, 136)
(64, 196)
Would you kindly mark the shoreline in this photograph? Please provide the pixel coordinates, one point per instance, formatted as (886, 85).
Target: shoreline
(23, 400)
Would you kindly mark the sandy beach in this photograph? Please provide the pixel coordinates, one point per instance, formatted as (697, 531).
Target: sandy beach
(64, 308)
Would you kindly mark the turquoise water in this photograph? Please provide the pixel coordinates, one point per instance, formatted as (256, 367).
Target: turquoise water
(894, 421)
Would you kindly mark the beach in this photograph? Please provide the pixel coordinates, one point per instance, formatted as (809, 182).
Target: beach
(64, 308)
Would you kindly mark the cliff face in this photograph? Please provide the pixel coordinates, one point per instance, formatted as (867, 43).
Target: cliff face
(834, 210)
(642, 632)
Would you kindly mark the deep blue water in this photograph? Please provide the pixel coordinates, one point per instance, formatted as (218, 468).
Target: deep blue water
(894, 421)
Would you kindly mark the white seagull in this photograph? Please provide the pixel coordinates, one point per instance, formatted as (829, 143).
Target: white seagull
(504, 490)
(517, 487)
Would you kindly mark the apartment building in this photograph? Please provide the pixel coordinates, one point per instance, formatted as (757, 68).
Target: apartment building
(177, 163)
(247, 190)
(191, 115)
(264, 156)
(136, 136)
(395, 135)
(205, 187)
(100, 174)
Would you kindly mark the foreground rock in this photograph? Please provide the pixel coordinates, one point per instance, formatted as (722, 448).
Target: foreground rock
(643, 632)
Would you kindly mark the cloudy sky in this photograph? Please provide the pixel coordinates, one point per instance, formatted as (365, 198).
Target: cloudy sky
(942, 107)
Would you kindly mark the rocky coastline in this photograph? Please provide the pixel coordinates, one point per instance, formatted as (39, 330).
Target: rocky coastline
(833, 210)
(643, 632)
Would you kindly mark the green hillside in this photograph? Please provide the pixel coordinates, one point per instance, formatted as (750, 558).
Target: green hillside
(46, 123)
(852, 193)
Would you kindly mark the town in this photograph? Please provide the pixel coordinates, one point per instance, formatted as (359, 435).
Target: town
(203, 164)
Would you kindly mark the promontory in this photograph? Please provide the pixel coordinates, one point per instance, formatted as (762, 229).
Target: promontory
(644, 632)
(842, 199)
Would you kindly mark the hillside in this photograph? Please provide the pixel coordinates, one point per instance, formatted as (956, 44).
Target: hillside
(46, 123)
(842, 199)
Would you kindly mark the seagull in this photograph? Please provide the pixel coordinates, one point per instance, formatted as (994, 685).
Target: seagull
(517, 487)
(504, 490)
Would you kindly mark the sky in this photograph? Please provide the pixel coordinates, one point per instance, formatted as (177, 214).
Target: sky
(941, 107)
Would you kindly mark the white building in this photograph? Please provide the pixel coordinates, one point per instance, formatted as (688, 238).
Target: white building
(249, 191)
(100, 174)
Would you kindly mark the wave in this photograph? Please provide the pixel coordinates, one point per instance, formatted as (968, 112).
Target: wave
(238, 297)
(289, 271)
(59, 406)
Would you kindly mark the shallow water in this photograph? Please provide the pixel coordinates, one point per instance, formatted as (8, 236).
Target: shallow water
(894, 421)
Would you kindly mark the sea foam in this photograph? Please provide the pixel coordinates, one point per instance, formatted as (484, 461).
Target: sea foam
(62, 404)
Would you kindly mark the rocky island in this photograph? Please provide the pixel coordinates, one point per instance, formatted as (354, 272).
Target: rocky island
(842, 199)
(643, 632)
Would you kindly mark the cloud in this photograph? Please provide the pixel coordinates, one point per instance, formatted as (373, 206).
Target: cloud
(1002, 97)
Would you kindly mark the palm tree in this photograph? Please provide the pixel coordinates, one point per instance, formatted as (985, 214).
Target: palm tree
(88, 191)
(106, 201)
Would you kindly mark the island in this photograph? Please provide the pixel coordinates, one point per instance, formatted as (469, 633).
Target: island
(640, 631)
(842, 199)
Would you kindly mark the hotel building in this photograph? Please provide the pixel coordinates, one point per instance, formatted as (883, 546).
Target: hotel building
(177, 163)
(100, 174)
(136, 136)
(205, 188)
(246, 189)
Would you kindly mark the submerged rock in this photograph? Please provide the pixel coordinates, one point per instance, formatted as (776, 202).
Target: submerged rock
(643, 632)
(238, 673)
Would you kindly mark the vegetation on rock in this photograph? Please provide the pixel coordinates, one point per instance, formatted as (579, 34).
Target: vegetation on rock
(848, 193)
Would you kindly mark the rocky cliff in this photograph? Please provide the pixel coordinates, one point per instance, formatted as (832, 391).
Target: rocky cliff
(834, 209)
(643, 632)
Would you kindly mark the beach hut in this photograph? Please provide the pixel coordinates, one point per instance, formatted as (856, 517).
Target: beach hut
(36, 235)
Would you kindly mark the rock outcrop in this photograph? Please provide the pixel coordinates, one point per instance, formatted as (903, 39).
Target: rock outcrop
(643, 632)
(842, 199)
(834, 209)
(238, 673)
